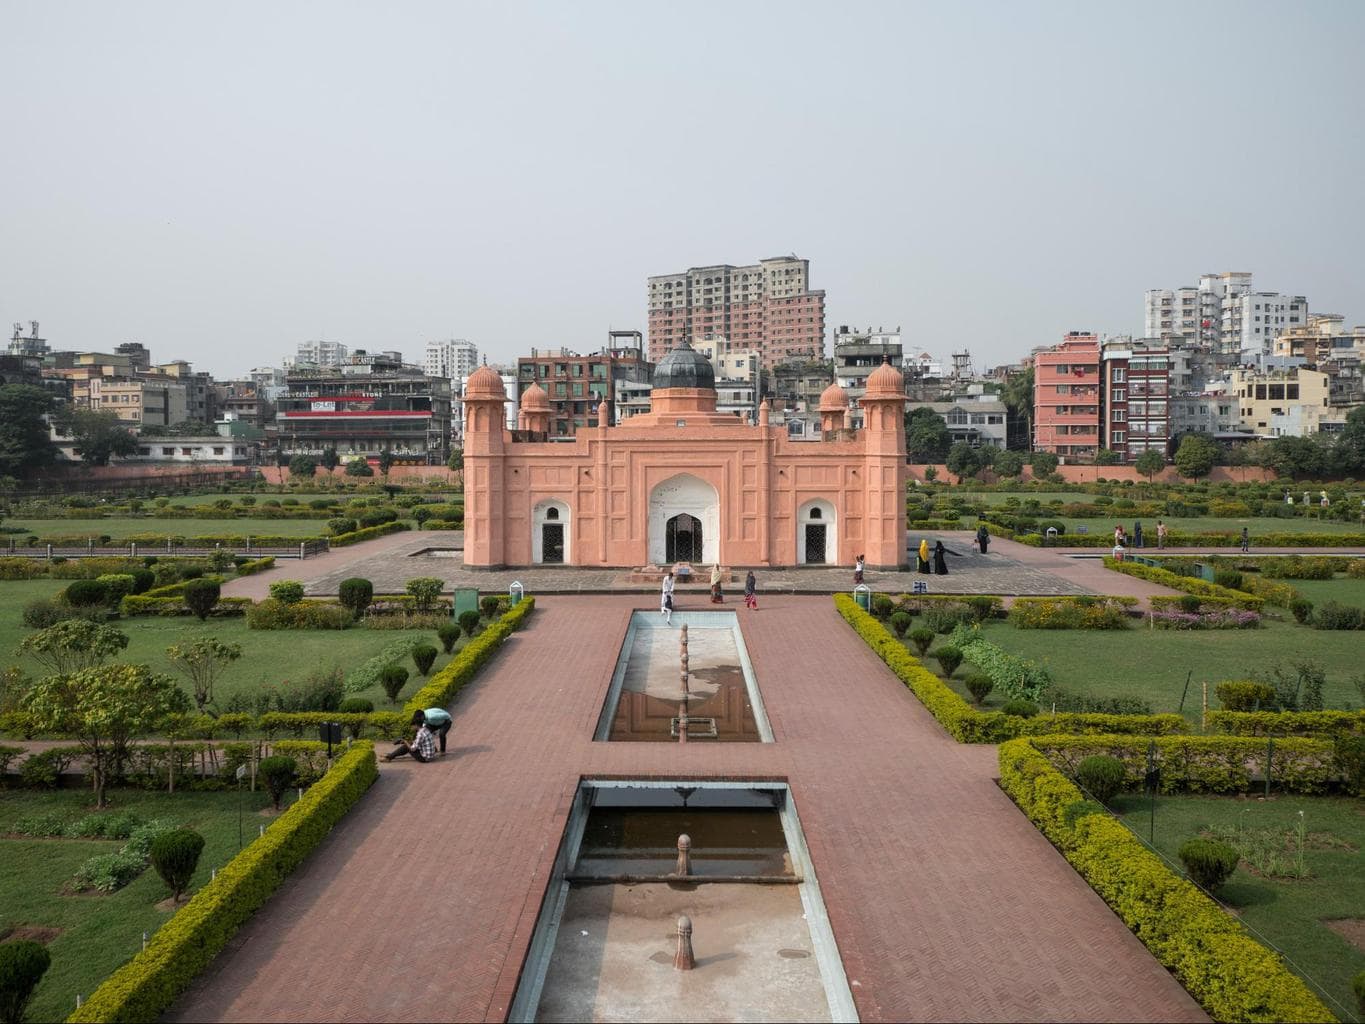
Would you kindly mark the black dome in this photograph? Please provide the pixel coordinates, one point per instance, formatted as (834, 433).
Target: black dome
(684, 368)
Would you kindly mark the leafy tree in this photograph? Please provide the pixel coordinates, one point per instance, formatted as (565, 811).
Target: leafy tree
(24, 440)
(98, 434)
(202, 661)
(424, 591)
(1350, 444)
(456, 460)
(22, 965)
(175, 855)
(201, 596)
(73, 645)
(926, 435)
(303, 466)
(329, 459)
(278, 773)
(1196, 456)
(104, 708)
(930, 474)
(1107, 457)
(965, 461)
(386, 461)
(358, 467)
(1017, 394)
(1009, 463)
(1044, 463)
(1150, 463)
(287, 591)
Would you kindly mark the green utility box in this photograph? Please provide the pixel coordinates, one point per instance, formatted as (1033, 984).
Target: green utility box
(466, 600)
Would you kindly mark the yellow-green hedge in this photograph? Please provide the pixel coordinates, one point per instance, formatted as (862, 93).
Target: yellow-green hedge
(449, 681)
(968, 725)
(1324, 724)
(341, 540)
(1188, 584)
(145, 986)
(1231, 975)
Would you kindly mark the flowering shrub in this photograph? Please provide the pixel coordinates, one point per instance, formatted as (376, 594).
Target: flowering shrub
(1224, 618)
(1070, 613)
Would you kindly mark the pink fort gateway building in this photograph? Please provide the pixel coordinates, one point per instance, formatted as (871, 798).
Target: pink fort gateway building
(684, 483)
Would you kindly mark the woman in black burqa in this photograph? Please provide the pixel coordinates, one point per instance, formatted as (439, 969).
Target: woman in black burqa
(941, 567)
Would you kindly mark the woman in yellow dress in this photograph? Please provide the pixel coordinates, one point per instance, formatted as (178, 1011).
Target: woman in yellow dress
(924, 556)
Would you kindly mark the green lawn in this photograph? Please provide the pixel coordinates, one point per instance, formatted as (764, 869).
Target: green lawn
(126, 526)
(1153, 664)
(100, 931)
(1342, 590)
(1287, 913)
(267, 656)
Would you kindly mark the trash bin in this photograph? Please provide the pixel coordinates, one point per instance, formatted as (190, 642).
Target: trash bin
(862, 594)
(515, 593)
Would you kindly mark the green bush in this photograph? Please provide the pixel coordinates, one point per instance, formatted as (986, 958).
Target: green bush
(469, 622)
(882, 605)
(175, 855)
(424, 590)
(118, 584)
(44, 769)
(22, 966)
(143, 580)
(1188, 603)
(1101, 776)
(944, 618)
(200, 596)
(1331, 615)
(489, 605)
(42, 613)
(287, 591)
(1230, 578)
(278, 773)
(1349, 753)
(449, 635)
(86, 593)
(393, 678)
(356, 706)
(923, 639)
(1302, 610)
(275, 614)
(948, 658)
(423, 656)
(1245, 695)
(1208, 863)
(1018, 708)
(900, 622)
(356, 594)
(978, 686)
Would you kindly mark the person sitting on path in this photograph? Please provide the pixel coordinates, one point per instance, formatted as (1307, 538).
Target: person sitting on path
(983, 537)
(439, 722)
(923, 563)
(423, 746)
(940, 566)
(666, 599)
(751, 591)
(858, 570)
(716, 597)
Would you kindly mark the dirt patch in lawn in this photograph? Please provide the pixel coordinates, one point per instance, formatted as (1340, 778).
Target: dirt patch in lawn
(31, 932)
(1352, 929)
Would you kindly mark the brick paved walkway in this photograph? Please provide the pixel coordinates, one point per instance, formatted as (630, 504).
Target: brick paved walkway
(946, 903)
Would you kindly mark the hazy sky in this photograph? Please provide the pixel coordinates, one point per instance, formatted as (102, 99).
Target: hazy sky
(222, 181)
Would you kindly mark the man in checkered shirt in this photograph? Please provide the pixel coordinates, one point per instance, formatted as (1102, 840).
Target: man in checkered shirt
(422, 748)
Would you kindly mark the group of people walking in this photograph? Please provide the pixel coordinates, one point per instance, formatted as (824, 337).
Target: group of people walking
(717, 593)
(940, 564)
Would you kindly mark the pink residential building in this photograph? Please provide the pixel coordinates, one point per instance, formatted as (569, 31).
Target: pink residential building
(1066, 397)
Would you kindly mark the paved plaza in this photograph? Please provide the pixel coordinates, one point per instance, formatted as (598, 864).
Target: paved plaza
(946, 903)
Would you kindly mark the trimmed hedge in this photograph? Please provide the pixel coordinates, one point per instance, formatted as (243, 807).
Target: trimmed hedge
(141, 604)
(146, 985)
(1229, 973)
(1205, 764)
(1188, 584)
(342, 540)
(968, 725)
(255, 565)
(461, 669)
(1320, 724)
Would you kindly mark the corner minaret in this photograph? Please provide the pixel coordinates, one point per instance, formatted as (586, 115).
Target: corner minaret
(485, 447)
(883, 438)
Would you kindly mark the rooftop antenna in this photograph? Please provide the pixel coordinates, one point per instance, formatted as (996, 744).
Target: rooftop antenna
(18, 330)
(34, 325)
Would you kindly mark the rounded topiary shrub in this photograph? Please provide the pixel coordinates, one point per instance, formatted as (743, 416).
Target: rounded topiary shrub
(469, 622)
(1302, 609)
(900, 622)
(423, 656)
(356, 706)
(923, 639)
(1188, 603)
(1245, 695)
(143, 580)
(1020, 708)
(1101, 776)
(201, 596)
(278, 774)
(449, 635)
(489, 606)
(287, 591)
(356, 593)
(86, 593)
(978, 685)
(882, 605)
(949, 658)
(393, 678)
(175, 855)
(1208, 863)
(22, 966)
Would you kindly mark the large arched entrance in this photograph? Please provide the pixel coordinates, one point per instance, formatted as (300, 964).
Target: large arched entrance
(550, 533)
(817, 534)
(684, 521)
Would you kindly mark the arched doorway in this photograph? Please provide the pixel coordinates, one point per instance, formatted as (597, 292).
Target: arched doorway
(817, 534)
(550, 533)
(684, 521)
(683, 536)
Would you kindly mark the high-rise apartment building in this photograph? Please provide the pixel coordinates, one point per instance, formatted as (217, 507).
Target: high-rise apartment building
(1066, 397)
(1225, 316)
(1135, 397)
(767, 306)
(454, 358)
(320, 354)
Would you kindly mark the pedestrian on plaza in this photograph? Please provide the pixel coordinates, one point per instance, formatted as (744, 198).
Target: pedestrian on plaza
(423, 746)
(751, 591)
(666, 599)
(923, 565)
(439, 722)
(716, 596)
(1137, 534)
(1246, 541)
(940, 566)
(983, 537)
(858, 570)
(1160, 534)
(1119, 536)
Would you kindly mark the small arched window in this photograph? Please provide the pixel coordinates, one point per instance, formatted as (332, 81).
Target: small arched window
(552, 513)
(815, 513)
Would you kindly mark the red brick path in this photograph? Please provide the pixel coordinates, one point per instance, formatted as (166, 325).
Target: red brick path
(945, 902)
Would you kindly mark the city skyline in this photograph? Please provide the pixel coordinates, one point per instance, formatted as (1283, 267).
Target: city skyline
(984, 177)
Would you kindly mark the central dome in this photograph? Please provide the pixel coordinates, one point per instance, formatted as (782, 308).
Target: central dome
(684, 367)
